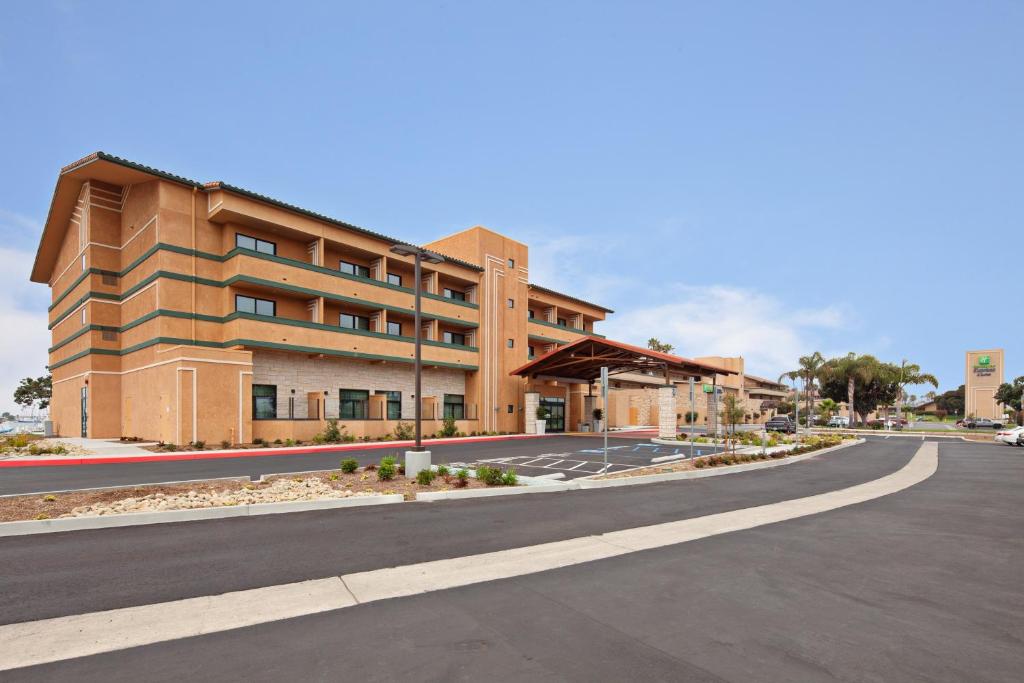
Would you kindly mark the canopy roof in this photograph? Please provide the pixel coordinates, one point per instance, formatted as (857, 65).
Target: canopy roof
(584, 358)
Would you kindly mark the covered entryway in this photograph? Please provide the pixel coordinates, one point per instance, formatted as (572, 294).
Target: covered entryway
(556, 413)
(580, 362)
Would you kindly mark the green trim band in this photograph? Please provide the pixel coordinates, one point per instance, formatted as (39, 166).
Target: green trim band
(163, 246)
(546, 340)
(563, 327)
(259, 318)
(248, 279)
(257, 344)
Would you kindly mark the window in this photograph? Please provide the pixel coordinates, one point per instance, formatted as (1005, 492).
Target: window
(353, 403)
(454, 338)
(264, 402)
(561, 321)
(262, 246)
(454, 294)
(511, 343)
(353, 269)
(354, 322)
(248, 304)
(394, 279)
(109, 335)
(511, 303)
(83, 263)
(531, 351)
(110, 278)
(394, 404)
(82, 315)
(455, 406)
(511, 263)
(511, 409)
(529, 314)
(395, 328)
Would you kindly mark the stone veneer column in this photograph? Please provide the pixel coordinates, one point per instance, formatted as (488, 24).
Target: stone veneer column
(530, 405)
(667, 412)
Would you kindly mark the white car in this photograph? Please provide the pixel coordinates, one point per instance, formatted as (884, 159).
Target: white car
(1009, 436)
(839, 421)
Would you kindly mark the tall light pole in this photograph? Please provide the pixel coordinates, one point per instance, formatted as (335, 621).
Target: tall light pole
(417, 459)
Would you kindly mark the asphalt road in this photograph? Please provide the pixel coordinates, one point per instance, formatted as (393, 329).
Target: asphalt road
(628, 452)
(920, 585)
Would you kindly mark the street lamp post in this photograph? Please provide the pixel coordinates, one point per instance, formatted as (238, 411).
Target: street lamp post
(417, 459)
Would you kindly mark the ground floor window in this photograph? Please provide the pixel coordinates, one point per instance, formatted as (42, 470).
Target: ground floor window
(353, 404)
(264, 402)
(455, 406)
(394, 404)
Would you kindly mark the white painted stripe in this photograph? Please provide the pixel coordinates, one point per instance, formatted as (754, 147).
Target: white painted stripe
(49, 640)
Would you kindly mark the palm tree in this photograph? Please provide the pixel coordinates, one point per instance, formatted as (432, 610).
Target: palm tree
(826, 408)
(808, 371)
(910, 373)
(851, 368)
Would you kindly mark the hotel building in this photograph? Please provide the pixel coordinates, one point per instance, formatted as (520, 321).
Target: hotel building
(185, 311)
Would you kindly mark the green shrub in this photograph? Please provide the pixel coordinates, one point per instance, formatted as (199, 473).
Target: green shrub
(50, 498)
(198, 445)
(509, 478)
(404, 431)
(319, 439)
(334, 476)
(277, 441)
(442, 470)
(349, 465)
(332, 433)
(448, 428)
(700, 463)
(387, 470)
(258, 441)
(225, 444)
(424, 477)
(289, 442)
(491, 476)
(174, 446)
(462, 478)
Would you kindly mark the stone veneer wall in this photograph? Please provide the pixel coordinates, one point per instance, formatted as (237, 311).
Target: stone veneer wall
(303, 374)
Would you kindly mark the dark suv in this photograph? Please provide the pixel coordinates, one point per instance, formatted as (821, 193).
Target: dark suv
(780, 423)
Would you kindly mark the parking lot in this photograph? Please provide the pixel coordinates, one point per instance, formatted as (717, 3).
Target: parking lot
(587, 461)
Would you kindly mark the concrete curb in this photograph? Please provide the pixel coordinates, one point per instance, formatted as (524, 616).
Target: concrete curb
(47, 526)
(460, 494)
(129, 486)
(66, 460)
(588, 483)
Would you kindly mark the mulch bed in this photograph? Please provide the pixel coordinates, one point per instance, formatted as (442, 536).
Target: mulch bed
(18, 508)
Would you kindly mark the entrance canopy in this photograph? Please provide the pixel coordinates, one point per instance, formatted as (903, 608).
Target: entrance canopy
(581, 361)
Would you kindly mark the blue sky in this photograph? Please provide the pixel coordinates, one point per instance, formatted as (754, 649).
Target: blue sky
(763, 179)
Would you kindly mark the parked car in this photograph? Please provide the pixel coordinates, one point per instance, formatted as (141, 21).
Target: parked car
(1014, 436)
(983, 423)
(839, 421)
(781, 423)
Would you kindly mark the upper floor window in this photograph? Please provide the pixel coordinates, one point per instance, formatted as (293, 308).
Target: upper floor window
(454, 294)
(262, 246)
(562, 322)
(395, 328)
(353, 269)
(511, 303)
(454, 338)
(510, 343)
(529, 314)
(354, 322)
(249, 304)
(532, 352)
(394, 279)
(511, 263)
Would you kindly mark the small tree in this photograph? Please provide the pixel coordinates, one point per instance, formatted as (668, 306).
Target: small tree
(690, 416)
(732, 411)
(34, 392)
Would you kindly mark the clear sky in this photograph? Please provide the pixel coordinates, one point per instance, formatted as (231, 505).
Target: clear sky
(755, 178)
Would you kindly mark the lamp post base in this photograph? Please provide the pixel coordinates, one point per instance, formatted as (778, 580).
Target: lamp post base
(416, 462)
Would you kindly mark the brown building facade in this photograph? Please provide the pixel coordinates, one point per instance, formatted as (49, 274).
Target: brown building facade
(184, 311)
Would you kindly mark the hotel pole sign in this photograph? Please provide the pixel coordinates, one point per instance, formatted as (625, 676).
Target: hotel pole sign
(983, 366)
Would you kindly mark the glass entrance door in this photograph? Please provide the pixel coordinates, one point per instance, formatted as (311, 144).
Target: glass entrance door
(556, 414)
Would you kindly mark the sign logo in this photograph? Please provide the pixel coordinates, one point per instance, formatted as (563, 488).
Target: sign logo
(708, 388)
(984, 360)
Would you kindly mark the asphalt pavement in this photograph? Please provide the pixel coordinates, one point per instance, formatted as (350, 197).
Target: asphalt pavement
(920, 585)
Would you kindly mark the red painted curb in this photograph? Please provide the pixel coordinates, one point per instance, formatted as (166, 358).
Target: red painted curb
(259, 452)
